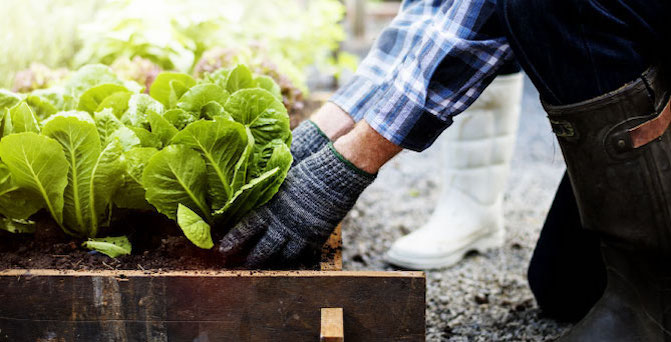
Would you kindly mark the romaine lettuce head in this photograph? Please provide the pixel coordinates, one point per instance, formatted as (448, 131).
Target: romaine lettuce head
(227, 139)
(202, 152)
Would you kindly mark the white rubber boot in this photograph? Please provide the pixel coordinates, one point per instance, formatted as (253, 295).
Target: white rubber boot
(469, 215)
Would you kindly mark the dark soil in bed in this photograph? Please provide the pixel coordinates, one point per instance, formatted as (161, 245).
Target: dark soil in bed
(158, 246)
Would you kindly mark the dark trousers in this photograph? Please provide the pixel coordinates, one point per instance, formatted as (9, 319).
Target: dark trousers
(574, 50)
(566, 273)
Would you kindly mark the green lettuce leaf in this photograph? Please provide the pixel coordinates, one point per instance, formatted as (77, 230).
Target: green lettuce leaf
(198, 96)
(8, 99)
(17, 226)
(131, 194)
(79, 115)
(88, 77)
(239, 78)
(94, 173)
(221, 144)
(179, 118)
(23, 119)
(245, 199)
(168, 87)
(91, 99)
(194, 228)
(270, 167)
(16, 202)
(81, 143)
(118, 102)
(110, 246)
(161, 127)
(147, 139)
(259, 110)
(138, 107)
(213, 110)
(175, 175)
(242, 169)
(55, 96)
(5, 122)
(219, 77)
(108, 176)
(110, 128)
(275, 155)
(41, 106)
(267, 83)
(37, 163)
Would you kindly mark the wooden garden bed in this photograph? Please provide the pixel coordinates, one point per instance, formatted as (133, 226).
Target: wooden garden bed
(135, 305)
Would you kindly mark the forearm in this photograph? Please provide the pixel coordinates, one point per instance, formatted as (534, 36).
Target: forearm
(333, 121)
(366, 148)
(360, 144)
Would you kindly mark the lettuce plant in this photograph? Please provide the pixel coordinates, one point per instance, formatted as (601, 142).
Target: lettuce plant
(202, 152)
(217, 58)
(229, 158)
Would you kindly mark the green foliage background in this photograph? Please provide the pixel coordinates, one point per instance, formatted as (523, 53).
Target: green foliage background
(42, 31)
(294, 34)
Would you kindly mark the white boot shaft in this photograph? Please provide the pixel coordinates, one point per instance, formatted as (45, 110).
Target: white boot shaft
(478, 149)
(479, 145)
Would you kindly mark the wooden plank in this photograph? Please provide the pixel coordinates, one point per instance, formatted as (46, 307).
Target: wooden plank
(332, 252)
(208, 306)
(332, 325)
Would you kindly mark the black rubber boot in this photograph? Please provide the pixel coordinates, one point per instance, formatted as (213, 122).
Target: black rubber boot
(636, 302)
(621, 177)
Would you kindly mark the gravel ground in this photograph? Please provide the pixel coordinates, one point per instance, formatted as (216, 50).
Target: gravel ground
(486, 297)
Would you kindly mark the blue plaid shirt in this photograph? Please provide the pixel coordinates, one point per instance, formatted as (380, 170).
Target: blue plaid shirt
(435, 58)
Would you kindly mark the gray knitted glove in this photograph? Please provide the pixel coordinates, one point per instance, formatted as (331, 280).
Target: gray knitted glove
(307, 139)
(314, 198)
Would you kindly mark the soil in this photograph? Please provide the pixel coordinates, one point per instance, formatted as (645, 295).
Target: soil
(158, 246)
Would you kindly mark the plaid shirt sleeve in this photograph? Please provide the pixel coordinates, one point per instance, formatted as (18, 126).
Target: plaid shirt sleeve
(433, 60)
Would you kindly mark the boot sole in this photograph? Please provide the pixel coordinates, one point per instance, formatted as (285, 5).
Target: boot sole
(480, 245)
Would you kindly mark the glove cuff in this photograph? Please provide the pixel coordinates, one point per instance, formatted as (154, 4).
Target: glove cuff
(349, 163)
(307, 139)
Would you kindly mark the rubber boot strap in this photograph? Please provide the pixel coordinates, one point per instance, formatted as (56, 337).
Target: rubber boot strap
(651, 130)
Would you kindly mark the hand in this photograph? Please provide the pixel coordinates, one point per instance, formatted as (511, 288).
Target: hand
(314, 198)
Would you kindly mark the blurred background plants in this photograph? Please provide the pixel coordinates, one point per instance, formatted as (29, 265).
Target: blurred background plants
(40, 31)
(281, 38)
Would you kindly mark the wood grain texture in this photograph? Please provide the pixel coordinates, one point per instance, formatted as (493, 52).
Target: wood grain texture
(49, 305)
(332, 325)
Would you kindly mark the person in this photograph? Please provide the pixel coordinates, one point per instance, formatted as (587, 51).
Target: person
(600, 69)
(478, 149)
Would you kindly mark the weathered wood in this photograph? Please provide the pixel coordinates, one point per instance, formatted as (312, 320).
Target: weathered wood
(332, 325)
(332, 252)
(51, 305)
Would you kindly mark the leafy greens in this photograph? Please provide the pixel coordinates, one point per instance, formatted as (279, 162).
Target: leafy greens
(203, 152)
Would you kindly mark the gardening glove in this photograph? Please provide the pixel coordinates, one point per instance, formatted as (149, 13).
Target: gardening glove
(314, 198)
(307, 139)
